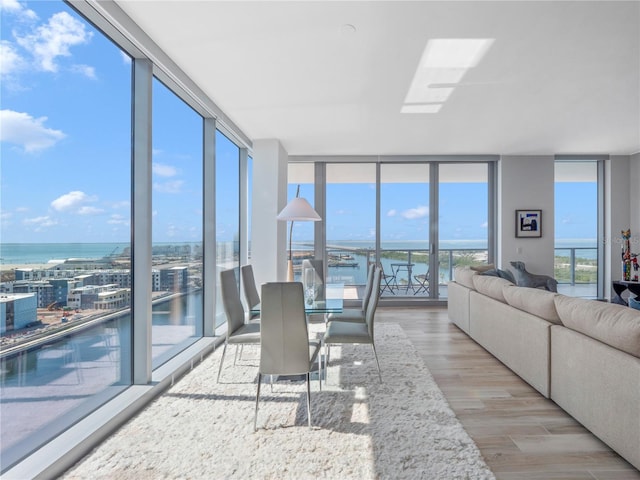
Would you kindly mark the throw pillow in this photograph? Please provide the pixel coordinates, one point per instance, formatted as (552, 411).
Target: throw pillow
(634, 302)
(507, 275)
(483, 268)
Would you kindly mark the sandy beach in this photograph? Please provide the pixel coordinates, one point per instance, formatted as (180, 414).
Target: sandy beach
(35, 266)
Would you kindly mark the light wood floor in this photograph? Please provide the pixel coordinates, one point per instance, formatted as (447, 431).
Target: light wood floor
(521, 434)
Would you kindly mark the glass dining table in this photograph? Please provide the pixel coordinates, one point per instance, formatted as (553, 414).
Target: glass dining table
(330, 299)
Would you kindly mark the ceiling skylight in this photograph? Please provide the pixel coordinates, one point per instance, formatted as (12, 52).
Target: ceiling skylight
(443, 64)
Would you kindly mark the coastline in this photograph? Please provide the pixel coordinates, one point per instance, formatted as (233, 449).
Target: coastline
(35, 266)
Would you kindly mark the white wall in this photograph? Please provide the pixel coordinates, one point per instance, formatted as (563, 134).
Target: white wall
(634, 197)
(269, 196)
(619, 212)
(526, 182)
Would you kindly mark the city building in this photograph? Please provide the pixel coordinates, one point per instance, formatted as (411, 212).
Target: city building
(17, 311)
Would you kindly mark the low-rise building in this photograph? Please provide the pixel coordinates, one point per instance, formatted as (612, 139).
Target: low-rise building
(17, 310)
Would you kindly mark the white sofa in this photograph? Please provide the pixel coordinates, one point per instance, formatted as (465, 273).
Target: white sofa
(582, 354)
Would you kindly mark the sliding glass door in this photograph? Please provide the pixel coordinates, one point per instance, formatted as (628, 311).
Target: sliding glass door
(350, 218)
(404, 229)
(416, 219)
(464, 219)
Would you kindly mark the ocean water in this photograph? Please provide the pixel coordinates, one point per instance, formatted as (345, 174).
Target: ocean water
(28, 253)
(25, 253)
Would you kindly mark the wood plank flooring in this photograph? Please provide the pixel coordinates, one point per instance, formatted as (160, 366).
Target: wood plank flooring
(521, 434)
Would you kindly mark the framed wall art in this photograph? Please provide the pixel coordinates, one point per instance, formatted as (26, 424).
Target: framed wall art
(529, 223)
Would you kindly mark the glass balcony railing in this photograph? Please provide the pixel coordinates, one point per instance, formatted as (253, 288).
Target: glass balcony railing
(575, 268)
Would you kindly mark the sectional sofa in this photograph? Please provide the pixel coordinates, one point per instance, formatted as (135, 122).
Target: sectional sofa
(582, 354)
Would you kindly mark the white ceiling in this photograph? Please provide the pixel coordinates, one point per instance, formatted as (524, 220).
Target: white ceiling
(559, 78)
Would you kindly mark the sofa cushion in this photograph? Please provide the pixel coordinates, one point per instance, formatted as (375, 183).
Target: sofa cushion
(464, 276)
(491, 286)
(615, 325)
(532, 300)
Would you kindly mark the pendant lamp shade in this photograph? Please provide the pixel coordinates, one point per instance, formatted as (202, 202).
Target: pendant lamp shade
(298, 209)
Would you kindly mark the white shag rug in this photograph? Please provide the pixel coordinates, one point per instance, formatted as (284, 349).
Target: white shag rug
(200, 429)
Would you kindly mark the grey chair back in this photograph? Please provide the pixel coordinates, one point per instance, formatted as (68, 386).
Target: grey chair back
(251, 294)
(372, 305)
(368, 288)
(231, 300)
(284, 340)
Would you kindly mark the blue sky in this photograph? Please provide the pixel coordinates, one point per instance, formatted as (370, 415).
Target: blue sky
(65, 147)
(405, 212)
(66, 133)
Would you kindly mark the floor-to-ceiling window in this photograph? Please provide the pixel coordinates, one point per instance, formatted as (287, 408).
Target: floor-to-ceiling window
(577, 227)
(227, 211)
(72, 101)
(463, 218)
(249, 205)
(417, 218)
(300, 236)
(177, 252)
(350, 221)
(66, 223)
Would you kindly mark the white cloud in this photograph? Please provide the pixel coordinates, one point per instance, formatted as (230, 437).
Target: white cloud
(10, 60)
(85, 70)
(16, 8)
(117, 219)
(172, 231)
(392, 212)
(121, 204)
(40, 222)
(5, 218)
(74, 201)
(86, 210)
(54, 39)
(164, 170)
(10, 6)
(169, 187)
(22, 129)
(418, 212)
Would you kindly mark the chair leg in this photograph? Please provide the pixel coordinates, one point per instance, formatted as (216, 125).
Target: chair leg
(326, 362)
(224, 350)
(320, 370)
(255, 418)
(377, 363)
(309, 398)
